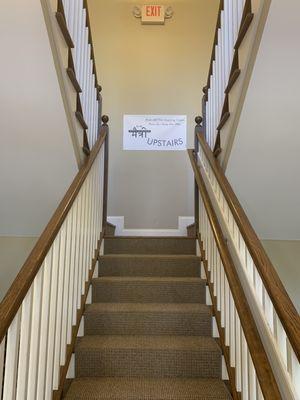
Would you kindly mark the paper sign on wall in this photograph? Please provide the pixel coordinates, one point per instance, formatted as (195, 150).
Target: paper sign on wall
(154, 132)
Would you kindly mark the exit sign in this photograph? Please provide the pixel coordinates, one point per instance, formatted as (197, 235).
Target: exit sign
(153, 14)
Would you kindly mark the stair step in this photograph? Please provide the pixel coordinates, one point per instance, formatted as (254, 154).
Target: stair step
(148, 356)
(149, 265)
(148, 290)
(147, 319)
(147, 389)
(149, 245)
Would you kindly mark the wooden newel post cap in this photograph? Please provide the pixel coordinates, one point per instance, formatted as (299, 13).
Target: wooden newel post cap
(198, 120)
(105, 119)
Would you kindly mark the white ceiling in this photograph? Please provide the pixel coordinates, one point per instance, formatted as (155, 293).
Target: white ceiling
(264, 166)
(37, 161)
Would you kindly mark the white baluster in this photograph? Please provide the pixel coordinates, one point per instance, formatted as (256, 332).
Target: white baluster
(252, 379)
(295, 372)
(25, 333)
(66, 288)
(244, 353)
(11, 361)
(232, 331)
(52, 319)
(71, 300)
(238, 361)
(227, 315)
(44, 332)
(59, 307)
(2, 360)
(35, 334)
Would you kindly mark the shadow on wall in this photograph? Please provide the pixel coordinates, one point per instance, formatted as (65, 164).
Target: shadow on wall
(13, 253)
(285, 256)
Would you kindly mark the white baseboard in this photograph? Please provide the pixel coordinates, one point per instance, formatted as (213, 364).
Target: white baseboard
(183, 222)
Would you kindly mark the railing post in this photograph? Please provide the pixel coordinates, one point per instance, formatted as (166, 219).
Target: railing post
(105, 120)
(204, 90)
(198, 129)
(99, 99)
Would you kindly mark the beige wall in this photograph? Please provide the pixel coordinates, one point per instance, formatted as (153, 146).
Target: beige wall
(285, 256)
(264, 163)
(37, 161)
(151, 70)
(13, 253)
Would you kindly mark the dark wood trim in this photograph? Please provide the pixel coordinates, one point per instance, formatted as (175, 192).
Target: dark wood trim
(217, 149)
(70, 347)
(19, 288)
(223, 121)
(233, 78)
(81, 120)
(225, 114)
(88, 24)
(217, 315)
(244, 29)
(71, 73)
(79, 113)
(99, 90)
(259, 357)
(73, 79)
(283, 305)
(215, 42)
(246, 22)
(105, 120)
(86, 147)
(64, 29)
(198, 128)
(234, 72)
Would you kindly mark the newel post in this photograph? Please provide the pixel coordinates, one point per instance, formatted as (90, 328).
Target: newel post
(105, 128)
(99, 98)
(198, 128)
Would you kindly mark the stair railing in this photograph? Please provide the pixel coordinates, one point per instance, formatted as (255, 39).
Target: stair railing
(261, 344)
(234, 19)
(73, 19)
(41, 312)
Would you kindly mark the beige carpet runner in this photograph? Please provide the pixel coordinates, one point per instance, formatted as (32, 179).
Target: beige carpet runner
(148, 332)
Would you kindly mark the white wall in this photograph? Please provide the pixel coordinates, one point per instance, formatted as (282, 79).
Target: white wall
(285, 256)
(264, 165)
(13, 253)
(151, 70)
(37, 161)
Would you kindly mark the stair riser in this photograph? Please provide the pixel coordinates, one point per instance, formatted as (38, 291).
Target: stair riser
(148, 324)
(149, 246)
(138, 292)
(148, 363)
(114, 266)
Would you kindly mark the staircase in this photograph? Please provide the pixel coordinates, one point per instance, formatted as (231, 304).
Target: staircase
(148, 331)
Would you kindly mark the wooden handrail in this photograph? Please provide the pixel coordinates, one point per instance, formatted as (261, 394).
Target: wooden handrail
(283, 305)
(259, 357)
(19, 288)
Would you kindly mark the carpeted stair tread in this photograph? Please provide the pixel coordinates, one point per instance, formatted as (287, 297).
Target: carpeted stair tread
(149, 265)
(146, 279)
(147, 389)
(148, 319)
(148, 290)
(149, 245)
(147, 356)
(147, 307)
(194, 343)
